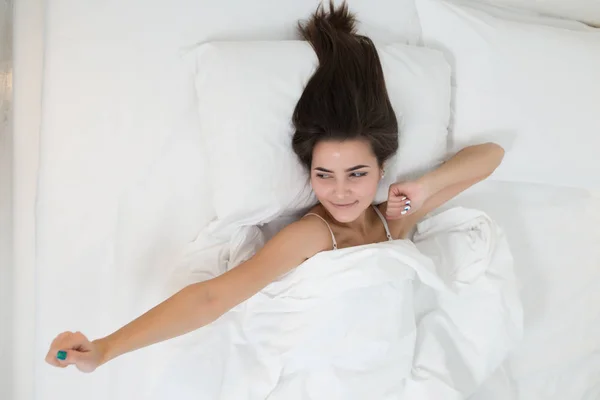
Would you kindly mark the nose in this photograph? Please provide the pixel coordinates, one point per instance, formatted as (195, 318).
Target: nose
(341, 190)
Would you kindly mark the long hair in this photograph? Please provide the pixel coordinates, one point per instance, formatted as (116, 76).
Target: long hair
(346, 97)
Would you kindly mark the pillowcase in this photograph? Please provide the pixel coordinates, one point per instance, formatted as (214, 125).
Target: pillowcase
(246, 94)
(533, 88)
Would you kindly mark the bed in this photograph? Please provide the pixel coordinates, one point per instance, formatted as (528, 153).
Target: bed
(124, 187)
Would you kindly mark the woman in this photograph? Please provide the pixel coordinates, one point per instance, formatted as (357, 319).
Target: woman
(345, 130)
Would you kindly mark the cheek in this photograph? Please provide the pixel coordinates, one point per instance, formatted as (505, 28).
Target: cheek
(367, 187)
(319, 187)
(364, 187)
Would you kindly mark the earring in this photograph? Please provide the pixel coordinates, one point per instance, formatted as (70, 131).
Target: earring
(382, 174)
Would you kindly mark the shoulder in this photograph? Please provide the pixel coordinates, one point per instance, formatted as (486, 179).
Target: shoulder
(323, 228)
(299, 240)
(312, 231)
(399, 228)
(289, 248)
(293, 245)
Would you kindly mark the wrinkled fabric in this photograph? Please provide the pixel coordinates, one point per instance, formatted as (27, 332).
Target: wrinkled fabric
(426, 319)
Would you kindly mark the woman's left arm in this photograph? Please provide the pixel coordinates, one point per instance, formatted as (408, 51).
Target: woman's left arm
(467, 167)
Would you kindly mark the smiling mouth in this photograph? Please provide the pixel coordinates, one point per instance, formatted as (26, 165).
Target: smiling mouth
(344, 205)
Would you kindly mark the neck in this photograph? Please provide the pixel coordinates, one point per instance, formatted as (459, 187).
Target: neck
(362, 224)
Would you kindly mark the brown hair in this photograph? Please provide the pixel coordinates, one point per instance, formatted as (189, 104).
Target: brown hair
(346, 98)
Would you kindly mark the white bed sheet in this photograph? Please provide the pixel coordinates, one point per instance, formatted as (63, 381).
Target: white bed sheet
(281, 343)
(553, 233)
(582, 10)
(121, 184)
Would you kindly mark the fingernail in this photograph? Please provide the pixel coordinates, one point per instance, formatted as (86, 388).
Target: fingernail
(406, 208)
(61, 355)
(403, 212)
(407, 201)
(403, 198)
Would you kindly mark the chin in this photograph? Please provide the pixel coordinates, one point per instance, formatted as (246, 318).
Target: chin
(345, 215)
(345, 219)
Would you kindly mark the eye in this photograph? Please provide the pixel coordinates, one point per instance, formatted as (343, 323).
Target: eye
(358, 174)
(324, 176)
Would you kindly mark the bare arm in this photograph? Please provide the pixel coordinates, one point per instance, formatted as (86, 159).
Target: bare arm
(198, 304)
(467, 167)
(185, 311)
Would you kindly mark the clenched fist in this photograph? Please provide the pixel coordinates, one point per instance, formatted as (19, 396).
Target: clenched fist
(75, 349)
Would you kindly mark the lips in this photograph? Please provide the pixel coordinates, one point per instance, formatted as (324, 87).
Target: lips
(348, 205)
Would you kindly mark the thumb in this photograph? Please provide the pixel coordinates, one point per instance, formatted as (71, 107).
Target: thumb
(70, 348)
(83, 360)
(67, 356)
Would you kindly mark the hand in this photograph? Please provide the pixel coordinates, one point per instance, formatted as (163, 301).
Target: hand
(76, 350)
(404, 198)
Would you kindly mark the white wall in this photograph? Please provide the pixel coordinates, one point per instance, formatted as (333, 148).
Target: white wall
(5, 197)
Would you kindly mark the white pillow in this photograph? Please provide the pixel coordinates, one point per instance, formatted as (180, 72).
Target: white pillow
(533, 88)
(247, 92)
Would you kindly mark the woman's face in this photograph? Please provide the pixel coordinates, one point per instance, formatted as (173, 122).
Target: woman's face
(344, 176)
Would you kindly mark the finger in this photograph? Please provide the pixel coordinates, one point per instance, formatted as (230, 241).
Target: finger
(397, 214)
(76, 341)
(52, 360)
(61, 358)
(67, 357)
(395, 190)
(64, 350)
(398, 206)
(51, 357)
(392, 208)
(60, 337)
(394, 217)
(398, 198)
(79, 341)
(392, 204)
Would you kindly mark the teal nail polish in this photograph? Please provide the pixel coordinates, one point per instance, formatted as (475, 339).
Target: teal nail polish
(61, 355)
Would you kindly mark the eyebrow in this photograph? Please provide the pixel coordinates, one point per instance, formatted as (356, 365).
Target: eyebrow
(348, 170)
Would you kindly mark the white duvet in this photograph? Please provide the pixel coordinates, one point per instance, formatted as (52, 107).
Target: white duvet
(429, 319)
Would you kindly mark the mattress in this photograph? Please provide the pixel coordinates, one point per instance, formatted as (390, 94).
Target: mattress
(122, 201)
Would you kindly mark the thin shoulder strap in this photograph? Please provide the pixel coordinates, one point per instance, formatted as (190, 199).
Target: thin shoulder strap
(385, 224)
(328, 227)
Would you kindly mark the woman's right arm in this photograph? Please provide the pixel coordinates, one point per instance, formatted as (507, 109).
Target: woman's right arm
(198, 304)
